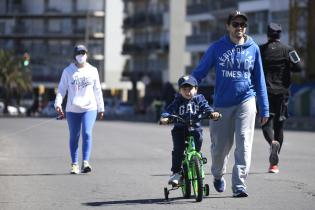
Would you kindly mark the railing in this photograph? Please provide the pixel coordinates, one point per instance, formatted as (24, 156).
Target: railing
(197, 9)
(199, 39)
(129, 48)
(207, 6)
(143, 19)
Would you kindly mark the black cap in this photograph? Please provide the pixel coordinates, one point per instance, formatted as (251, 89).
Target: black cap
(234, 14)
(187, 80)
(79, 48)
(274, 30)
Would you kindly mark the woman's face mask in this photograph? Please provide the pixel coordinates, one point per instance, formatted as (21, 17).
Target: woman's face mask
(81, 59)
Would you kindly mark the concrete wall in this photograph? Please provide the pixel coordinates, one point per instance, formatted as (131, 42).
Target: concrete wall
(179, 28)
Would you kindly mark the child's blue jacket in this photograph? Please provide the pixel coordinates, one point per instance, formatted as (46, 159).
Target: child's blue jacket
(188, 109)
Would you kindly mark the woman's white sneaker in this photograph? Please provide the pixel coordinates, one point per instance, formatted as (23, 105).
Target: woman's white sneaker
(86, 167)
(75, 169)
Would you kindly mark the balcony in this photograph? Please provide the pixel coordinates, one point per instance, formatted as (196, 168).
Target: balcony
(201, 42)
(141, 69)
(195, 9)
(132, 48)
(143, 19)
(208, 6)
(197, 39)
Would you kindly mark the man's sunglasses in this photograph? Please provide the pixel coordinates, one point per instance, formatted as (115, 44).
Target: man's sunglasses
(237, 24)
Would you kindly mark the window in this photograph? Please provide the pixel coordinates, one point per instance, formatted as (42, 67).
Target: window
(54, 26)
(2, 28)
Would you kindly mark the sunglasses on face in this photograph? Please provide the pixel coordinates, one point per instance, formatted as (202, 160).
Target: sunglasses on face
(81, 52)
(237, 24)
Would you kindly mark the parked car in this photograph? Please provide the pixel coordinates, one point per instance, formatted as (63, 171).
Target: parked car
(12, 110)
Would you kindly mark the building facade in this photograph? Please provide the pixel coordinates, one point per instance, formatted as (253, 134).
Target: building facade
(154, 43)
(48, 30)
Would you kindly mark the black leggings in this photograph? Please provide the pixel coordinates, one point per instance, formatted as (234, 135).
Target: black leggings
(273, 130)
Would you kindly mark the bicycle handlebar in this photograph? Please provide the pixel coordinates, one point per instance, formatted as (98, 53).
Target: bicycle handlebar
(189, 121)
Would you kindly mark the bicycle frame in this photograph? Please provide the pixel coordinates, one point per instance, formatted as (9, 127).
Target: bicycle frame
(190, 152)
(189, 159)
(193, 171)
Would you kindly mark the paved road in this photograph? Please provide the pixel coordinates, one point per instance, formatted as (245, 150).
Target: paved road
(131, 164)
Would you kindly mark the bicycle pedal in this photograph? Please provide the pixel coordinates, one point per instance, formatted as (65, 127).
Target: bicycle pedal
(204, 160)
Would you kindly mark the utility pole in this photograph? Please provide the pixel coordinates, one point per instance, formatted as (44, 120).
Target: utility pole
(87, 25)
(293, 23)
(310, 40)
(303, 11)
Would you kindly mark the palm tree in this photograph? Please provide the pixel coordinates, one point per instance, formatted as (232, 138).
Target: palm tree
(13, 76)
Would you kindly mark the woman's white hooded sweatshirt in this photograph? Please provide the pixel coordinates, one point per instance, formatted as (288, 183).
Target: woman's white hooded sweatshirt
(83, 87)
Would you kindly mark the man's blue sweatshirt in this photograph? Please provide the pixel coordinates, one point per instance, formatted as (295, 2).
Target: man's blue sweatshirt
(239, 73)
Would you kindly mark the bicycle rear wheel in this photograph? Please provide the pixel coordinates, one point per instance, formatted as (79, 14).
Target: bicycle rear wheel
(197, 181)
(186, 186)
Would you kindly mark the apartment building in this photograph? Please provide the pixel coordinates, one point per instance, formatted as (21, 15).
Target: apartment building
(49, 29)
(154, 43)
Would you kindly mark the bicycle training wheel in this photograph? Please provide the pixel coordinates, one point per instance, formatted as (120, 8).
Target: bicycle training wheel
(197, 181)
(166, 193)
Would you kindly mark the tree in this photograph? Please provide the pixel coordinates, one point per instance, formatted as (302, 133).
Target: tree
(13, 76)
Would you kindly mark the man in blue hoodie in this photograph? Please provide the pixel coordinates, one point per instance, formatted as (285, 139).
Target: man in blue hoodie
(239, 79)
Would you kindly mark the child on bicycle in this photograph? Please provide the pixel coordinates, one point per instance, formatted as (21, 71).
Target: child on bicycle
(188, 105)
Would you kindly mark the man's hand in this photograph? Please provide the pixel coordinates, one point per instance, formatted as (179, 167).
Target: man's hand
(263, 120)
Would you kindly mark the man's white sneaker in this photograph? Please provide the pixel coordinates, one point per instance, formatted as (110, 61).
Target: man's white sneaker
(174, 179)
(75, 169)
(86, 167)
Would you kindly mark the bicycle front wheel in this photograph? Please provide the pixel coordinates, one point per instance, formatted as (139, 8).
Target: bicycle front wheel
(186, 186)
(197, 181)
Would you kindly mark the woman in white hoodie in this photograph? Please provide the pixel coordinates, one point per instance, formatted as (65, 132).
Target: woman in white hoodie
(84, 102)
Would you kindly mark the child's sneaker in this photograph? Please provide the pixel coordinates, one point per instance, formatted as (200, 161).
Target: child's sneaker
(174, 179)
(274, 151)
(86, 167)
(75, 169)
(274, 169)
(219, 184)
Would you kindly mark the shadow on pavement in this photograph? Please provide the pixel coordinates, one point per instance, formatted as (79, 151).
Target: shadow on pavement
(177, 200)
(43, 174)
(208, 174)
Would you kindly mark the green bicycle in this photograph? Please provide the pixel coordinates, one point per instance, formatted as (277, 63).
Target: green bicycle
(192, 166)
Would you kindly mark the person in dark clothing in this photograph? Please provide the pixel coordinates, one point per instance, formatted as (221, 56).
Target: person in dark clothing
(279, 60)
(187, 103)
